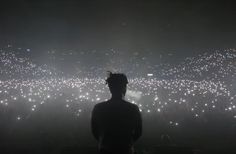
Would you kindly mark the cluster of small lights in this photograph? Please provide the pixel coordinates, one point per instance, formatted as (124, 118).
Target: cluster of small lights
(153, 95)
(15, 66)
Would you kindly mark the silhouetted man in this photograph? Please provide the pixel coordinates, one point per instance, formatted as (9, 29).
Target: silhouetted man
(116, 123)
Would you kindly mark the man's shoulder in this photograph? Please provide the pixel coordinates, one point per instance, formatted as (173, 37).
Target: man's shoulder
(131, 104)
(101, 104)
(108, 103)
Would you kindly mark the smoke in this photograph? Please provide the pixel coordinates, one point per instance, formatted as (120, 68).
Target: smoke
(134, 94)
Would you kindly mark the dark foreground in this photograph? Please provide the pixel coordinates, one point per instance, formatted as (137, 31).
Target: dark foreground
(93, 150)
(53, 129)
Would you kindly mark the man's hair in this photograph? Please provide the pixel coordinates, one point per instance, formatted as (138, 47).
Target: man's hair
(116, 82)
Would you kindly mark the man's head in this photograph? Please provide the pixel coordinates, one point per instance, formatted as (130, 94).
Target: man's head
(117, 84)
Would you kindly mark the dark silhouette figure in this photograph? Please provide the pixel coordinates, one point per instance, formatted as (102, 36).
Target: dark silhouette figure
(116, 123)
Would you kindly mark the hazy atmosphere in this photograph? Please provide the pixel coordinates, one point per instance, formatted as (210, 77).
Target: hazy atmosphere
(179, 57)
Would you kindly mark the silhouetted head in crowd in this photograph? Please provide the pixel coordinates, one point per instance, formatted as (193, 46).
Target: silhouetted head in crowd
(117, 84)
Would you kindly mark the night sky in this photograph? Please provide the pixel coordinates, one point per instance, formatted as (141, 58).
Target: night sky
(179, 27)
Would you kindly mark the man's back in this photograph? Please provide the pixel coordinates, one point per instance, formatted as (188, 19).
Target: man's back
(116, 124)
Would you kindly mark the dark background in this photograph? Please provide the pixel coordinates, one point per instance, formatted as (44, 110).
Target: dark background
(180, 27)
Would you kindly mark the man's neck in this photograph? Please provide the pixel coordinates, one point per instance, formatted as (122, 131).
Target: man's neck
(117, 97)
